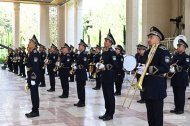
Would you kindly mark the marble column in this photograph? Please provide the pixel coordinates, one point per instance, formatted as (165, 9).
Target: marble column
(75, 22)
(66, 23)
(44, 25)
(132, 26)
(187, 22)
(16, 25)
(61, 25)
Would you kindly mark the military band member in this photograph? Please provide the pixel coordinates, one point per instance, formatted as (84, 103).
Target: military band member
(138, 51)
(81, 74)
(108, 65)
(33, 64)
(120, 74)
(52, 60)
(15, 61)
(90, 59)
(10, 59)
(141, 49)
(22, 61)
(180, 81)
(154, 83)
(96, 59)
(19, 61)
(65, 64)
(43, 55)
(72, 54)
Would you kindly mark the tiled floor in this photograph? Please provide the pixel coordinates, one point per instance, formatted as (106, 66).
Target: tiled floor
(15, 102)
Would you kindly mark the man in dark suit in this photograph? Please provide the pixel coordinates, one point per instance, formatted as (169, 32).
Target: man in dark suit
(81, 74)
(108, 66)
(33, 65)
(154, 83)
(180, 80)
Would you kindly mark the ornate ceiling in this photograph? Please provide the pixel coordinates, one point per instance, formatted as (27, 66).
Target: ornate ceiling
(46, 2)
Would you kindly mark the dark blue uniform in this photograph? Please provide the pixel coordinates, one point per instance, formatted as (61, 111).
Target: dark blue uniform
(96, 59)
(22, 64)
(10, 61)
(64, 69)
(108, 79)
(15, 62)
(139, 60)
(42, 69)
(33, 65)
(72, 56)
(180, 80)
(119, 75)
(154, 85)
(52, 60)
(81, 77)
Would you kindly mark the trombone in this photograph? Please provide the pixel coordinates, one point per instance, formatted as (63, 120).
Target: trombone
(129, 91)
(138, 85)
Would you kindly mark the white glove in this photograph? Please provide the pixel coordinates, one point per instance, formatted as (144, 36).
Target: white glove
(100, 66)
(172, 69)
(97, 65)
(75, 67)
(57, 63)
(140, 69)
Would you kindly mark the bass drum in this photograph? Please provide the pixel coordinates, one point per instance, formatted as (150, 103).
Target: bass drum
(129, 63)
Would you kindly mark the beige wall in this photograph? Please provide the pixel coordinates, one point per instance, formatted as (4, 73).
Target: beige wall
(156, 13)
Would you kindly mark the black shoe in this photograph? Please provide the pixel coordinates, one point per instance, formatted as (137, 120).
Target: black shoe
(50, 90)
(107, 118)
(81, 105)
(95, 88)
(32, 114)
(179, 112)
(20, 75)
(23, 76)
(63, 96)
(141, 101)
(42, 85)
(101, 117)
(117, 93)
(76, 104)
(173, 111)
(188, 98)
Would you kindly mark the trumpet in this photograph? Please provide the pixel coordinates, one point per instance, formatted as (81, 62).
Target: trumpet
(46, 62)
(138, 85)
(72, 71)
(57, 66)
(98, 65)
(26, 87)
(173, 66)
(24, 60)
(91, 67)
